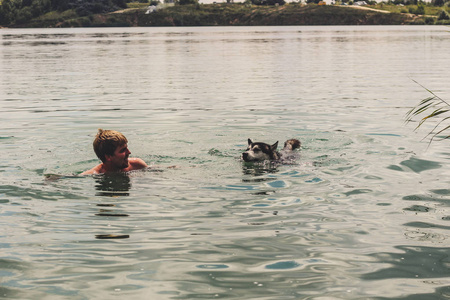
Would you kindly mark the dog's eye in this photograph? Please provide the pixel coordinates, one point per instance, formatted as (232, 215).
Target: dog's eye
(256, 150)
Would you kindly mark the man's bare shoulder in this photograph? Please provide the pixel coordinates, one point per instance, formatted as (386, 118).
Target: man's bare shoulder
(94, 170)
(133, 164)
(136, 164)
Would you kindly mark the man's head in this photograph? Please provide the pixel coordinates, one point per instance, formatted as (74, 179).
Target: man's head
(107, 141)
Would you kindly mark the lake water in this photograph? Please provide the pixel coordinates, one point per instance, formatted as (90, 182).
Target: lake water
(363, 214)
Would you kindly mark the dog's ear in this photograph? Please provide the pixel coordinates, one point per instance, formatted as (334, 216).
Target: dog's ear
(274, 146)
(250, 142)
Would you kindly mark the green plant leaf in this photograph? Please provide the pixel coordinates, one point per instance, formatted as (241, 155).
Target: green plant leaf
(438, 106)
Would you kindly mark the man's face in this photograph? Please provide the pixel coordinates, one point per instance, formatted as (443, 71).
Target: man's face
(120, 157)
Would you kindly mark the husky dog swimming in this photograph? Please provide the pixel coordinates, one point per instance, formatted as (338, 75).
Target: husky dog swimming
(262, 151)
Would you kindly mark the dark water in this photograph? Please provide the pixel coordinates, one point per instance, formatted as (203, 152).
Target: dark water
(363, 214)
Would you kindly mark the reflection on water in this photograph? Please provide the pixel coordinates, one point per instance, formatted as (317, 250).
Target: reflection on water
(258, 169)
(362, 213)
(416, 266)
(112, 185)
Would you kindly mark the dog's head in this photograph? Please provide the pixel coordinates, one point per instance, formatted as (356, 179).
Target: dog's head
(260, 151)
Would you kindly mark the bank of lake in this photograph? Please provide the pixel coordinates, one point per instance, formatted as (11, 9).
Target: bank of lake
(235, 14)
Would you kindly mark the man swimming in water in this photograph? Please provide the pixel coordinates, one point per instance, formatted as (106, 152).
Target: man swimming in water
(111, 148)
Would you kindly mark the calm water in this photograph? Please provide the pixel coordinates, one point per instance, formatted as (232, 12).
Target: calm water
(363, 214)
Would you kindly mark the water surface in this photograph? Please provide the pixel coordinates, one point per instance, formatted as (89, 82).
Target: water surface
(363, 214)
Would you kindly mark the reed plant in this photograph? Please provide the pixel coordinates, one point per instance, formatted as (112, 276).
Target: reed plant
(432, 108)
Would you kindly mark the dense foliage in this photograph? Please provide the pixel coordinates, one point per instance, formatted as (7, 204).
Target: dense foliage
(443, 15)
(20, 11)
(187, 2)
(268, 2)
(86, 13)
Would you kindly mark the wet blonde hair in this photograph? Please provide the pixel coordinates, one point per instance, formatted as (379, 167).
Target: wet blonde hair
(106, 142)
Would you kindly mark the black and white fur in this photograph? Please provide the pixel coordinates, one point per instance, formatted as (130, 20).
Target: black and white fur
(262, 151)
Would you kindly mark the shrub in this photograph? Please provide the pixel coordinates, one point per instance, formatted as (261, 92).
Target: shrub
(269, 2)
(420, 10)
(443, 22)
(429, 20)
(24, 15)
(187, 2)
(418, 22)
(443, 15)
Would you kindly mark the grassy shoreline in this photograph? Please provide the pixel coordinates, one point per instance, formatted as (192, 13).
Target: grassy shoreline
(234, 15)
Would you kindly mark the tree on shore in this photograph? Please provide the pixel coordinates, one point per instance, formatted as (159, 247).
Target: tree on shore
(20, 11)
(187, 2)
(268, 2)
(443, 15)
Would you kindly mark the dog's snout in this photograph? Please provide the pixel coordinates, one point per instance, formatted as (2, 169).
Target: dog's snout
(245, 156)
